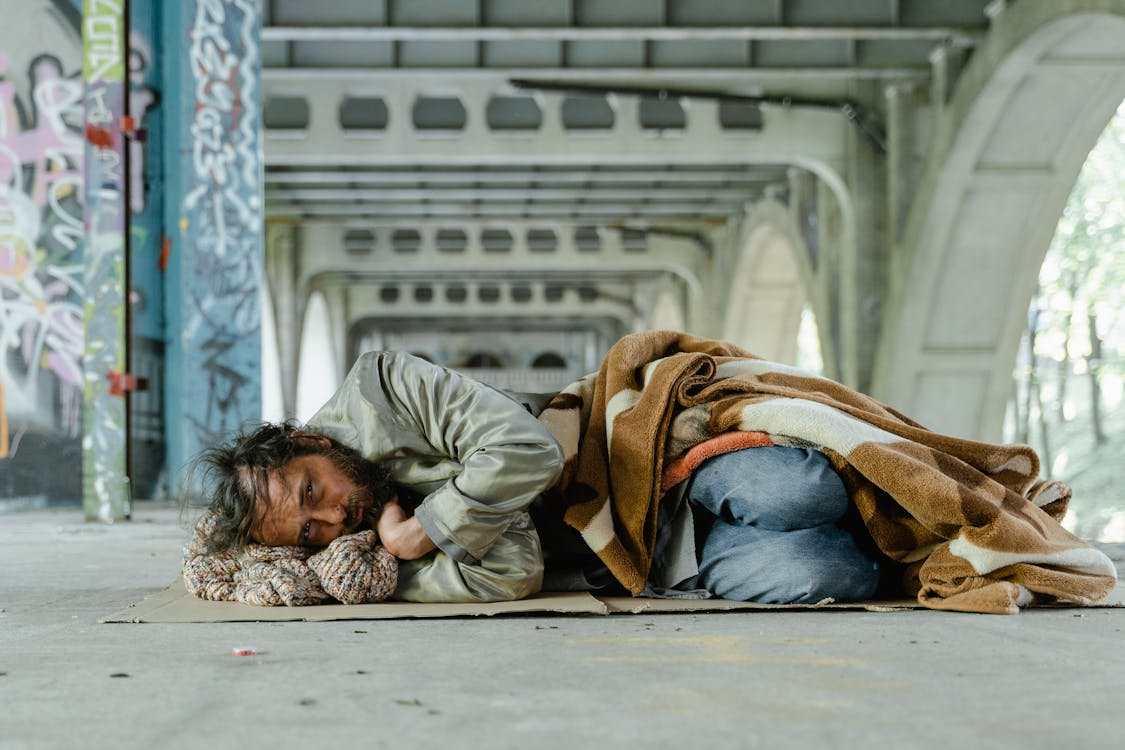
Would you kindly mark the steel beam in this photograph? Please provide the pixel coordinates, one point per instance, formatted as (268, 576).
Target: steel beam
(678, 257)
(616, 33)
(790, 135)
(647, 193)
(733, 75)
(699, 208)
(367, 302)
(733, 177)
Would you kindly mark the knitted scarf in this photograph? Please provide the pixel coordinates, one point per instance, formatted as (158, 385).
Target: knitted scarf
(353, 569)
(975, 527)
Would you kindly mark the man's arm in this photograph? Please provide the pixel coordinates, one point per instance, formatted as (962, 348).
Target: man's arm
(402, 535)
(425, 421)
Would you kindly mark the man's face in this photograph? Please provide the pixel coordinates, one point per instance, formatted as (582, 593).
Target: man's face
(311, 501)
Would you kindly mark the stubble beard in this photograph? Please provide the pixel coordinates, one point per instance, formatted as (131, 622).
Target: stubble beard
(373, 488)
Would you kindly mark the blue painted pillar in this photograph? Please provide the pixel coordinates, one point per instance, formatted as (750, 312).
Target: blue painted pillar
(105, 483)
(213, 217)
(147, 475)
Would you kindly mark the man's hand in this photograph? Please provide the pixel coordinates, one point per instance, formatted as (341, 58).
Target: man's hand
(403, 537)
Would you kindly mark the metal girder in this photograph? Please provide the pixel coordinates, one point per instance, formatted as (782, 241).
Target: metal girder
(615, 33)
(731, 75)
(529, 194)
(568, 308)
(403, 321)
(727, 176)
(601, 195)
(789, 135)
(553, 279)
(331, 241)
(426, 259)
(431, 209)
(370, 300)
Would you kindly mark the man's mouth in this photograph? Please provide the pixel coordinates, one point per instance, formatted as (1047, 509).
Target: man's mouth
(355, 515)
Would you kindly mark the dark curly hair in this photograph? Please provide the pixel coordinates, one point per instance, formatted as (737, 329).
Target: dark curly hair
(234, 476)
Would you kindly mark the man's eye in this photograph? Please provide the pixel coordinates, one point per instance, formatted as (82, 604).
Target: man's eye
(308, 489)
(305, 531)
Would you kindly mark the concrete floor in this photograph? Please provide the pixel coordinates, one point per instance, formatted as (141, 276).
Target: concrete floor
(1041, 679)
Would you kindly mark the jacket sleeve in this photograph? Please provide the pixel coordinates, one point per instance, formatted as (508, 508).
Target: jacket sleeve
(506, 456)
(511, 569)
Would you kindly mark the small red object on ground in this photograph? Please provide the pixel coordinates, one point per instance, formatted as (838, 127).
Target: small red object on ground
(244, 652)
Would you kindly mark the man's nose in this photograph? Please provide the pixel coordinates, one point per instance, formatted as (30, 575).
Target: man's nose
(334, 513)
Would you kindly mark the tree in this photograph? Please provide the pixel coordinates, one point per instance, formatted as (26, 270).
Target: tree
(1082, 278)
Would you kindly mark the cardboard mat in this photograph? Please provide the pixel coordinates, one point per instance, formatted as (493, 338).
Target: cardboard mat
(175, 605)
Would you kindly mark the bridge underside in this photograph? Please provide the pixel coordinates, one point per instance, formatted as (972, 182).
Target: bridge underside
(900, 174)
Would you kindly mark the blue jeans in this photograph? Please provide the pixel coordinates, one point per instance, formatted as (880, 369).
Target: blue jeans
(774, 536)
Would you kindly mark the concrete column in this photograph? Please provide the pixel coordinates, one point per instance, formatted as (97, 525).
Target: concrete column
(105, 479)
(830, 275)
(338, 314)
(901, 150)
(213, 211)
(864, 284)
(946, 64)
(281, 271)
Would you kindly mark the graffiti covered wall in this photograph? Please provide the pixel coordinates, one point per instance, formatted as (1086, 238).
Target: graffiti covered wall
(41, 287)
(194, 242)
(43, 252)
(214, 213)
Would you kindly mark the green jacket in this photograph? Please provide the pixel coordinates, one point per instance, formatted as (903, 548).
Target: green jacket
(477, 456)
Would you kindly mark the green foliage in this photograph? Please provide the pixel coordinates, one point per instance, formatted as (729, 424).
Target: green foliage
(1084, 271)
(1079, 311)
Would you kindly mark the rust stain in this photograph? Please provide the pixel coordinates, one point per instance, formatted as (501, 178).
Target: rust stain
(99, 137)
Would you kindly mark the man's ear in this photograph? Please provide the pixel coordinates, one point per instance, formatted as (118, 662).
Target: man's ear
(311, 437)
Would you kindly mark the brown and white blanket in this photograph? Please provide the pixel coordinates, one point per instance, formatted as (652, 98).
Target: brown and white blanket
(975, 526)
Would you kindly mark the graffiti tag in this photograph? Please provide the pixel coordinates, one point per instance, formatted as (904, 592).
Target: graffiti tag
(223, 207)
(40, 250)
(102, 40)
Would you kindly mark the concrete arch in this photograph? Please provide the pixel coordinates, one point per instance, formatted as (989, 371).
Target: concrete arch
(1003, 161)
(769, 285)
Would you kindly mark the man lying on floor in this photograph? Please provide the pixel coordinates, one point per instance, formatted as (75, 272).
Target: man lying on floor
(684, 467)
